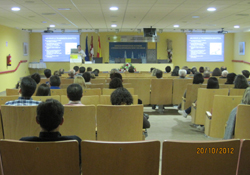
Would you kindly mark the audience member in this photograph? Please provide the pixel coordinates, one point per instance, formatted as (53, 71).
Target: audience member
(154, 72)
(201, 69)
(240, 82)
(43, 90)
(230, 78)
(76, 68)
(207, 69)
(223, 68)
(56, 73)
(89, 69)
(96, 72)
(182, 73)
(189, 71)
(47, 73)
(74, 94)
(158, 74)
(71, 74)
(117, 75)
(185, 67)
(131, 69)
(230, 127)
(61, 71)
(168, 69)
(87, 77)
(115, 83)
(151, 69)
(206, 74)
(175, 72)
(92, 75)
(194, 70)
(82, 70)
(216, 72)
(224, 74)
(245, 73)
(55, 82)
(80, 80)
(36, 77)
(27, 89)
(121, 96)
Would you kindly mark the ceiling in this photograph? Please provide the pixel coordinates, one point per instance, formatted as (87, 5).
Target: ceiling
(89, 15)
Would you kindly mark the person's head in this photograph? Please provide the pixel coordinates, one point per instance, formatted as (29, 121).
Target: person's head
(185, 67)
(36, 77)
(61, 71)
(80, 80)
(213, 83)
(50, 115)
(175, 72)
(206, 74)
(43, 90)
(240, 82)
(74, 92)
(168, 69)
(116, 75)
(47, 73)
(194, 70)
(246, 97)
(115, 83)
(201, 69)
(245, 73)
(158, 74)
(56, 73)
(154, 72)
(92, 75)
(151, 69)
(182, 73)
(216, 72)
(72, 73)
(27, 87)
(55, 80)
(224, 73)
(207, 69)
(89, 69)
(188, 71)
(131, 69)
(79, 47)
(230, 78)
(96, 72)
(223, 68)
(198, 78)
(86, 76)
(76, 68)
(82, 69)
(121, 96)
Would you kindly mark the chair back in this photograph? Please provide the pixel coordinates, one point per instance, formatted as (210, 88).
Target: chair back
(242, 129)
(161, 91)
(105, 99)
(191, 93)
(10, 92)
(109, 91)
(58, 92)
(236, 92)
(87, 92)
(179, 87)
(243, 166)
(91, 86)
(86, 100)
(67, 81)
(4, 99)
(64, 86)
(98, 81)
(44, 98)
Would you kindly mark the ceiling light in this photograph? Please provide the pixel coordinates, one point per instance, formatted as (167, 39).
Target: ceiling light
(15, 8)
(52, 25)
(195, 16)
(236, 27)
(64, 9)
(113, 8)
(211, 9)
(176, 26)
(113, 25)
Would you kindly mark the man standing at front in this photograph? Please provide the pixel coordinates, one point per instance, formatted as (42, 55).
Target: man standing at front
(81, 52)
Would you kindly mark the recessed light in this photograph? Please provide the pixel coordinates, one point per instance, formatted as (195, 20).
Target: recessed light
(195, 16)
(15, 8)
(211, 9)
(52, 25)
(64, 9)
(113, 8)
(113, 25)
(236, 27)
(176, 26)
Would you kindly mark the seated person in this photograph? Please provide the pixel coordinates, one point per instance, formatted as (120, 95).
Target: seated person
(240, 82)
(246, 73)
(121, 96)
(47, 73)
(87, 77)
(151, 69)
(89, 69)
(36, 77)
(230, 78)
(71, 74)
(175, 72)
(154, 72)
(56, 73)
(27, 89)
(43, 90)
(216, 72)
(229, 132)
(223, 68)
(116, 75)
(55, 82)
(80, 80)
(113, 71)
(158, 74)
(206, 75)
(115, 83)
(92, 75)
(76, 69)
(131, 69)
(82, 70)
(168, 69)
(201, 69)
(50, 117)
(61, 71)
(182, 74)
(74, 94)
(224, 74)
(96, 72)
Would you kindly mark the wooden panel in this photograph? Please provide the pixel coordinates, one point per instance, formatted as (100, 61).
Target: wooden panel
(123, 158)
(244, 158)
(98, 81)
(12, 92)
(191, 94)
(58, 92)
(40, 158)
(236, 92)
(43, 80)
(87, 92)
(109, 91)
(119, 123)
(91, 86)
(222, 80)
(86, 100)
(67, 81)
(4, 99)
(80, 121)
(161, 91)
(105, 99)
(179, 87)
(44, 98)
(204, 158)
(242, 129)
(64, 86)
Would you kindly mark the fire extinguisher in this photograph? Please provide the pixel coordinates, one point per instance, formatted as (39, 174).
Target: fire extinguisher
(9, 60)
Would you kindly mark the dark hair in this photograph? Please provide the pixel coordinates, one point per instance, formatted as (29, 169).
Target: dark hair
(246, 73)
(54, 81)
(50, 114)
(47, 73)
(89, 69)
(76, 68)
(57, 73)
(86, 76)
(158, 74)
(240, 82)
(198, 78)
(82, 69)
(131, 69)
(223, 68)
(121, 96)
(116, 75)
(213, 83)
(206, 74)
(74, 92)
(216, 72)
(28, 87)
(79, 45)
(36, 77)
(188, 71)
(151, 69)
(175, 72)
(168, 69)
(96, 72)
(201, 69)
(43, 90)
(61, 71)
(230, 78)
(115, 83)
(194, 70)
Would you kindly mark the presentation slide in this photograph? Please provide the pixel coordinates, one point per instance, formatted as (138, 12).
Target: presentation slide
(205, 47)
(57, 47)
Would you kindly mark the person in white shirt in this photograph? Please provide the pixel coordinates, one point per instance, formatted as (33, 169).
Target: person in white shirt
(81, 52)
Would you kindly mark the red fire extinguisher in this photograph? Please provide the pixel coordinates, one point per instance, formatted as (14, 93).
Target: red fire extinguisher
(9, 60)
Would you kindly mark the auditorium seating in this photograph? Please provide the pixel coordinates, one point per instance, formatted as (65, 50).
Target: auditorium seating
(12, 92)
(92, 86)
(105, 99)
(243, 164)
(44, 98)
(58, 92)
(4, 99)
(161, 91)
(222, 106)
(142, 89)
(64, 86)
(67, 81)
(236, 92)
(123, 158)
(40, 158)
(179, 87)
(242, 129)
(119, 122)
(91, 92)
